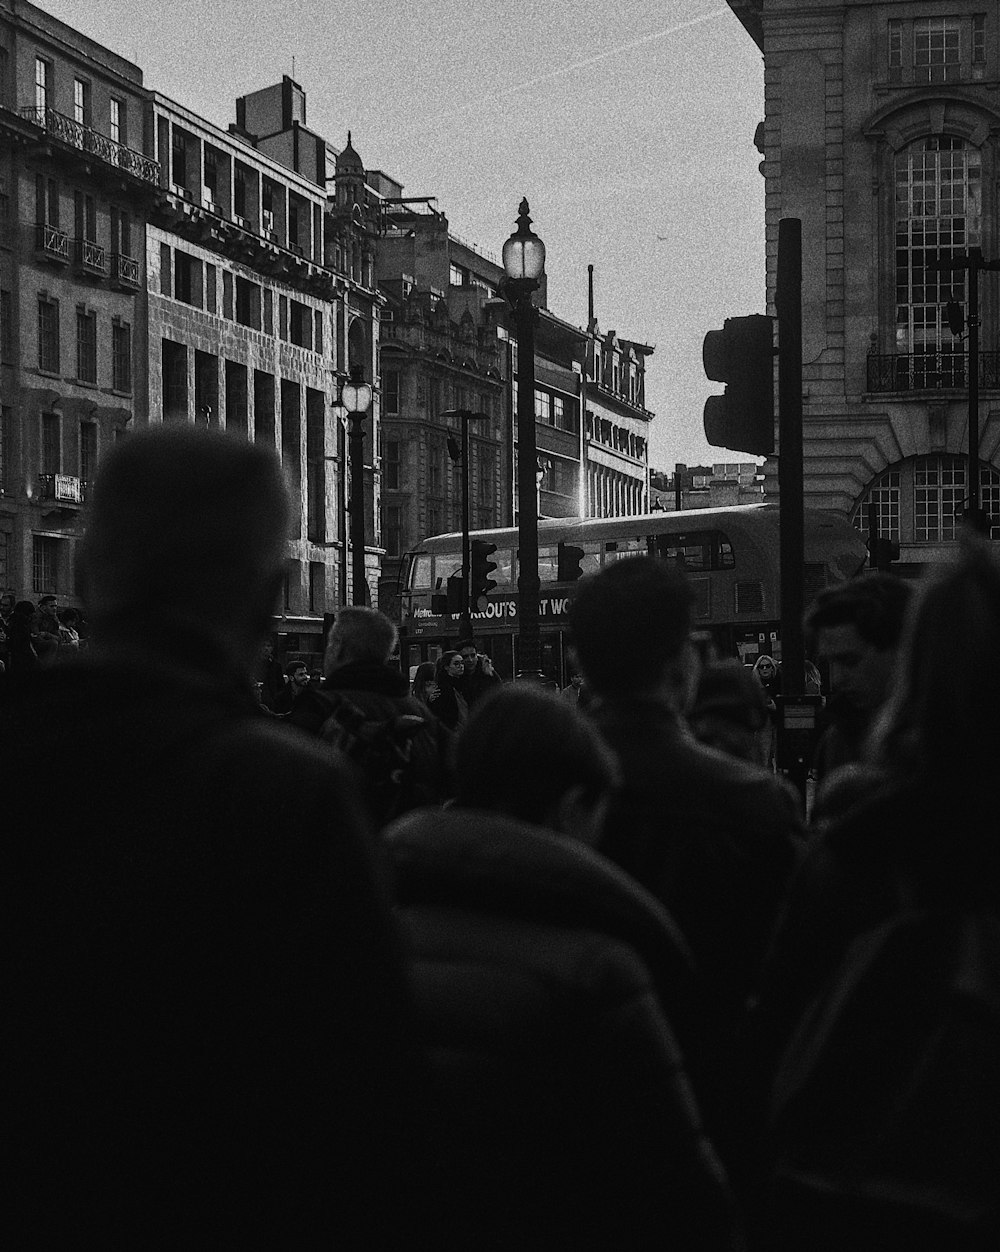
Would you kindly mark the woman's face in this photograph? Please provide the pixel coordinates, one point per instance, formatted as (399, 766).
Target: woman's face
(455, 667)
(766, 669)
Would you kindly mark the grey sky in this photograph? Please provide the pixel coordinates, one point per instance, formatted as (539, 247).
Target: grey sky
(620, 122)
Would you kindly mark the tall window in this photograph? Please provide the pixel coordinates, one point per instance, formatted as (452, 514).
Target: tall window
(938, 212)
(5, 466)
(895, 51)
(81, 101)
(85, 212)
(392, 466)
(46, 201)
(88, 451)
(541, 406)
(393, 532)
(48, 335)
(121, 356)
(43, 564)
(42, 69)
(390, 392)
(979, 39)
(6, 326)
(86, 345)
(51, 459)
(936, 45)
(118, 121)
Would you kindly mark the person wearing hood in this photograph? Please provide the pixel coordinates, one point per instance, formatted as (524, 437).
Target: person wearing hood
(357, 673)
(556, 999)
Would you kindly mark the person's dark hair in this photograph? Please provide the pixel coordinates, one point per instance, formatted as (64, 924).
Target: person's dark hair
(628, 621)
(191, 520)
(46, 600)
(361, 634)
(443, 661)
(874, 604)
(424, 674)
(465, 643)
(523, 749)
(941, 719)
(293, 666)
(24, 608)
(69, 616)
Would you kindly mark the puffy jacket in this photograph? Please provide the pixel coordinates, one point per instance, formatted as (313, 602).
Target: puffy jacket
(566, 1116)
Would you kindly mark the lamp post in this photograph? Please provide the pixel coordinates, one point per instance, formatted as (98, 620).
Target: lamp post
(524, 263)
(465, 416)
(356, 396)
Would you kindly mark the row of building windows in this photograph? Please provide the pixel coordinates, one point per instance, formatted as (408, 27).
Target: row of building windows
(192, 281)
(52, 452)
(611, 435)
(87, 356)
(48, 202)
(555, 410)
(82, 101)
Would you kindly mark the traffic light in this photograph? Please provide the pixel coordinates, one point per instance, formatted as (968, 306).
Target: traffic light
(741, 355)
(569, 558)
(882, 552)
(456, 594)
(482, 568)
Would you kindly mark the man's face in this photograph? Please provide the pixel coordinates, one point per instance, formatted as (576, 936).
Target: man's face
(300, 678)
(6, 605)
(859, 672)
(469, 659)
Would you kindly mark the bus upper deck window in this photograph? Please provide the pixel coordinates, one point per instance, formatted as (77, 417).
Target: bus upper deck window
(420, 572)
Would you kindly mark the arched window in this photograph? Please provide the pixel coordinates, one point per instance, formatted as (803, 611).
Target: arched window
(938, 183)
(920, 500)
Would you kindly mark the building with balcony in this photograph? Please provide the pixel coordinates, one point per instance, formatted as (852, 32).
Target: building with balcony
(441, 349)
(337, 229)
(880, 133)
(75, 191)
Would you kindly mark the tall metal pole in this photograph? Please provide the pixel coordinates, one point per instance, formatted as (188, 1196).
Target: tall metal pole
(465, 622)
(788, 302)
(975, 263)
(528, 584)
(359, 587)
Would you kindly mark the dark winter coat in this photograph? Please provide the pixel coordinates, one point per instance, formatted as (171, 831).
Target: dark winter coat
(206, 1029)
(541, 973)
(715, 839)
(472, 687)
(382, 692)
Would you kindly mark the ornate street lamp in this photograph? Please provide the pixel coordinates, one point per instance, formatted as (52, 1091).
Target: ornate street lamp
(524, 263)
(356, 398)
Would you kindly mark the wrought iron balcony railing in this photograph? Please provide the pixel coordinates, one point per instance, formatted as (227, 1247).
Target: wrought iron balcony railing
(66, 488)
(124, 269)
(86, 139)
(51, 241)
(91, 256)
(929, 371)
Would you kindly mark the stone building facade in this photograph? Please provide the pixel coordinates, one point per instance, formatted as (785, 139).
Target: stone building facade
(880, 133)
(246, 332)
(616, 451)
(75, 191)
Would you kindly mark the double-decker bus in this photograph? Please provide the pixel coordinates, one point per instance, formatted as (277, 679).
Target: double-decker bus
(731, 556)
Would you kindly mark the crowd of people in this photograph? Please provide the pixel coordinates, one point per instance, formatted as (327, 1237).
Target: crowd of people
(346, 960)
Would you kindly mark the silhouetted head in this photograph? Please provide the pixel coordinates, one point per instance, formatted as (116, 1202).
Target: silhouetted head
(630, 626)
(941, 718)
(359, 634)
(424, 674)
(729, 711)
(193, 522)
(525, 752)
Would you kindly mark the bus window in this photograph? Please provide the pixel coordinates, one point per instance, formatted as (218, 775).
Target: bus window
(446, 564)
(619, 549)
(548, 563)
(697, 551)
(420, 572)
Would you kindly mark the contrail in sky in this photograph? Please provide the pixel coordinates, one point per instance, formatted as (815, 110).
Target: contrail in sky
(577, 65)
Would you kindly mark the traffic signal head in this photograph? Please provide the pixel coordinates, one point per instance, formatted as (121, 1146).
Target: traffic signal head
(741, 355)
(569, 558)
(482, 568)
(456, 594)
